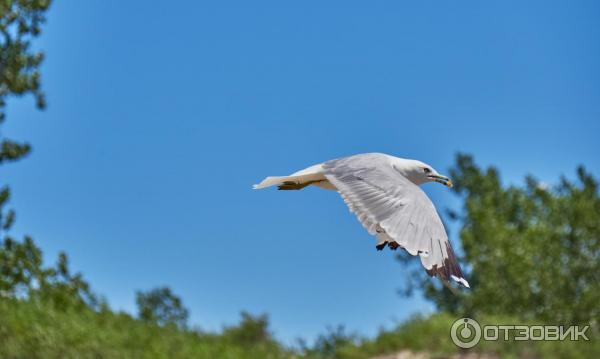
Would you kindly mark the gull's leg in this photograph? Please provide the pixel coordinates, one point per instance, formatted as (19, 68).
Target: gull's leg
(393, 245)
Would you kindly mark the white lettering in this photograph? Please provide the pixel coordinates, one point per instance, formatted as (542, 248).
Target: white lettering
(551, 332)
(568, 332)
(539, 329)
(581, 333)
(506, 329)
(521, 329)
(494, 330)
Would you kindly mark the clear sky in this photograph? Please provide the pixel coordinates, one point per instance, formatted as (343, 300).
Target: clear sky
(162, 116)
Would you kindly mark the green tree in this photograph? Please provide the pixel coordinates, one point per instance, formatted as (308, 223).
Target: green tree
(251, 330)
(531, 251)
(160, 306)
(22, 273)
(20, 22)
(19, 75)
(335, 343)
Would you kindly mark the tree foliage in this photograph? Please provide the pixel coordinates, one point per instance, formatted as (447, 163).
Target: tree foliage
(531, 251)
(335, 343)
(37, 330)
(251, 330)
(20, 22)
(162, 307)
(19, 75)
(22, 273)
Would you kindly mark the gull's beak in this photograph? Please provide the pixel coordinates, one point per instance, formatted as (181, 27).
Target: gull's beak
(442, 179)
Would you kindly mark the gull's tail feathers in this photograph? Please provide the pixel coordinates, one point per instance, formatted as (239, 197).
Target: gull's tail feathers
(290, 182)
(312, 175)
(272, 181)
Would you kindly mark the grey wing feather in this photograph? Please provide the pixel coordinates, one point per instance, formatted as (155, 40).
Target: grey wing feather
(391, 207)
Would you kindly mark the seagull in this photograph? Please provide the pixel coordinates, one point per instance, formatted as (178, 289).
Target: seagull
(383, 192)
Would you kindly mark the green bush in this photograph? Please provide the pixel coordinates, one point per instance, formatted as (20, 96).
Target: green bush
(432, 335)
(30, 329)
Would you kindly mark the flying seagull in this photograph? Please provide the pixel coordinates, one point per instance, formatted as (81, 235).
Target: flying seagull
(383, 192)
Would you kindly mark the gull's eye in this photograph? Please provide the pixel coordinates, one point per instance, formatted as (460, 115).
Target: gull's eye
(426, 170)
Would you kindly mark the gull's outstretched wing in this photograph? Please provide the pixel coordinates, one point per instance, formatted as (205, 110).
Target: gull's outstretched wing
(395, 210)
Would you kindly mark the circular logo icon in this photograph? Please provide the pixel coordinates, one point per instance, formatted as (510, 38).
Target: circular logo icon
(465, 333)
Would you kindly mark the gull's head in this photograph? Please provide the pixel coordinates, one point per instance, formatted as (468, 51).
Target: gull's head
(418, 172)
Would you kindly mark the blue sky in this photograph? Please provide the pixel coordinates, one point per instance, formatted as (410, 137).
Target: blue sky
(161, 118)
